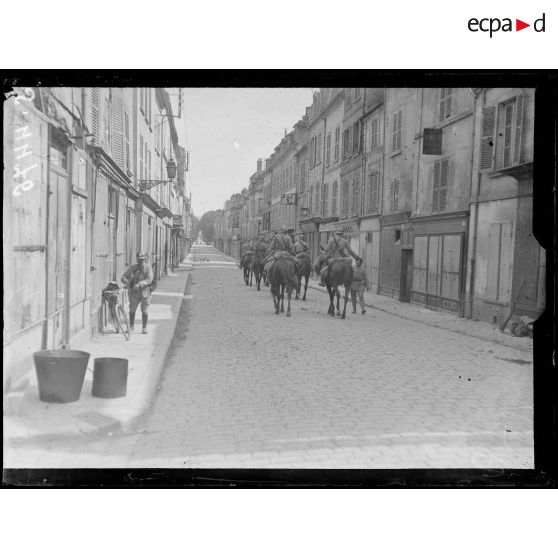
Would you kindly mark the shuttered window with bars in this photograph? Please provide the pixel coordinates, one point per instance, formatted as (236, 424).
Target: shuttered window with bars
(440, 185)
(373, 191)
(445, 108)
(394, 196)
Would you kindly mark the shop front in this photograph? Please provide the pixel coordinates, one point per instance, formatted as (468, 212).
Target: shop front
(438, 279)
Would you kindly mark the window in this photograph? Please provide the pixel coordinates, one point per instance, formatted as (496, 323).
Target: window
(107, 121)
(325, 200)
(311, 199)
(396, 135)
(357, 93)
(334, 198)
(356, 196)
(374, 126)
(398, 236)
(337, 140)
(356, 137)
(445, 102)
(345, 198)
(394, 196)
(373, 191)
(347, 98)
(317, 199)
(303, 176)
(503, 149)
(440, 186)
(145, 161)
(347, 143)
(127, 139)
(319, 149)
(328, 149)
(312, 152)
(499, 261)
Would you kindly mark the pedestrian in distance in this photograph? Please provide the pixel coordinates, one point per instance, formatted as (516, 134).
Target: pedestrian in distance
(359, 283)
(138, 279)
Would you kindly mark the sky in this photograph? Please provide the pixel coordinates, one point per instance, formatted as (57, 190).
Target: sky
(227, 130)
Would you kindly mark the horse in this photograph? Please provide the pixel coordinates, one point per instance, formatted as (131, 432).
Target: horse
(257, 270)
(304, 269)
(283, 276)
(340, 272)
(245, 266)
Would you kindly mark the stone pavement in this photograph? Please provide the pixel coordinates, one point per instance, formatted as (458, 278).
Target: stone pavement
(243, 387)
(27, 419)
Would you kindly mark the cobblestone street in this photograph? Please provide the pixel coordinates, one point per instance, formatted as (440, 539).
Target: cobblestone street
(243, 387)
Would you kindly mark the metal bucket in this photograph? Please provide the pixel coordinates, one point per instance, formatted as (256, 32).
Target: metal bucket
(60, 374)
(110, 377)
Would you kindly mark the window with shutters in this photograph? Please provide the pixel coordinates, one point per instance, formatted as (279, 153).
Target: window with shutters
(348, 142)
(498, 272)
(345, 198)
(319, 149)
(440, 185)
(373, 134)
(337, 141)
(328, 149)
(445, 107)
(312, 151)
(325, 200)
(397, 119)
(356, 137)
(347, 98)
(317, 199)
(394, 196)
(145, 161)
(501, 134)
(334, 194)
(355, 206)
(311, 199)
(373, 191)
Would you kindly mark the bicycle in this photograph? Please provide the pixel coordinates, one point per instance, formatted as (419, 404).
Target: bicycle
(112, 296)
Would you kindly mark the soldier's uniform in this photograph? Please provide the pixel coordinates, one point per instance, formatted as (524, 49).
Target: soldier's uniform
(138, 277)
(359, 283)
(280, 243)
(300, 246)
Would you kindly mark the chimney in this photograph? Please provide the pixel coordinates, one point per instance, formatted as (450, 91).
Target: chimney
(259, 165)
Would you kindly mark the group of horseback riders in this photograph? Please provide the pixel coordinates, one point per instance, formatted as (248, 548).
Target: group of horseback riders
(280, 245)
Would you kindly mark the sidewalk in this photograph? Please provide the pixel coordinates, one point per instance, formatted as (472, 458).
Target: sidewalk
(26, 417)
(434, 318)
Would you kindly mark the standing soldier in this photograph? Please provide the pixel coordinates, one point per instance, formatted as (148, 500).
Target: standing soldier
(137, 278)
(360, 282)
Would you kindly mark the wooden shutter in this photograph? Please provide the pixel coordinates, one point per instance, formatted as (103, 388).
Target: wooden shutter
(487, 138)
(127, 139)
(506, 250)
(95, 116)
(118, 131)
(396, 195)
(518, 109)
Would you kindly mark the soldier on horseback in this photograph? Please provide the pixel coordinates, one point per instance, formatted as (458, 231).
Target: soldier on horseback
(337, 247)
(280, 244)
(300, 246)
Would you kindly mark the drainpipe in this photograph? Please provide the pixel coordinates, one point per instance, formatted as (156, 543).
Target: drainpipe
(418, 159)
(47, 242)
(363, 162)
(68, 249)
(472, 255)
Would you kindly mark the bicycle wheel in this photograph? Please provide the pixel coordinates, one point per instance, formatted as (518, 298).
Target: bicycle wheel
(122, 320)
